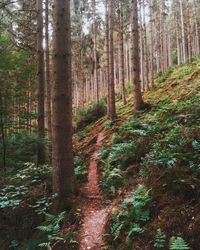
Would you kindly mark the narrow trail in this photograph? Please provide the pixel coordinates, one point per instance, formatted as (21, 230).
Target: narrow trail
(95, 215)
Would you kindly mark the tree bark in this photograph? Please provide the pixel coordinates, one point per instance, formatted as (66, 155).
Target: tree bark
(47, 67)
(112, 114)
(96, 79)
(135, 56)
(111, 87)
(121, 52)
(62, 154)
(41, 84)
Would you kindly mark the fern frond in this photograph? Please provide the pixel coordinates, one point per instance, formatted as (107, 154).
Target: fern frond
(160, 239)
(178, 243)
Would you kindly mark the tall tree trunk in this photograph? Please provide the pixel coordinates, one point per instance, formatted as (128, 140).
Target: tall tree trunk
(2, 131)
(189, 38)
(177, 34)
(141, 43)
(197, 37)
(146, 53)
(47, 67)
(81, 78)
(107, 61)
(62, 154)
(121, 52)
(41, 83)
(135, 56)
(112, 114)
(152, 45)
(182, 31)
(96, 80)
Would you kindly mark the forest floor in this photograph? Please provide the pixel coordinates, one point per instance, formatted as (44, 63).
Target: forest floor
(95, 214)
(95, 211)
(151, 157)
(166, 167)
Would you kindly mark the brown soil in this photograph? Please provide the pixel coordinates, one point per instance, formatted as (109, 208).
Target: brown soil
(94, 213)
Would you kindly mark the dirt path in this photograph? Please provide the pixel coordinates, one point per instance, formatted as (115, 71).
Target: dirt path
(95, 215)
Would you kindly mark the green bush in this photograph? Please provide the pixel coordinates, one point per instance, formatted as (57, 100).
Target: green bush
(112, 181)
(133, 212)
(26, 188)
(115, 161)
(161, 77)
(175, 56)
(80, 168)
(52, 230)
(90, 114)
(21, 148)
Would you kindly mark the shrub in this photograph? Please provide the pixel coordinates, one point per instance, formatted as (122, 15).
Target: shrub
(90, 114)
(112, 181)
(21, 148)
(132, 213)
(52, 231)
(80, 168)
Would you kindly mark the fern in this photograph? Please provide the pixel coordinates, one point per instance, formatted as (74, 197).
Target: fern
(135, 229)
(121, 151)
(132, 214)
(113, 180)
(160, 239)
(178, 243)
(52, 229)
(196, 145)
(116, 229)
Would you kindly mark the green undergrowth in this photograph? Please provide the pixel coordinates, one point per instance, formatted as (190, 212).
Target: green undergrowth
(20, 148)
(89, 115)
(161, 147)
(26, 194)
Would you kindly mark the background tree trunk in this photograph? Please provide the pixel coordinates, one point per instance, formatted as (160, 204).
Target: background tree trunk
(121, 53)
(112, 114)
(47, 67)
(135, 56)
(41, 83)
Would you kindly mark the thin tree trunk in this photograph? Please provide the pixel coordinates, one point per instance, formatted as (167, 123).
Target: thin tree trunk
(107, 61)
(47, 67)
(112, 114)
(41, 84)
(2, 132)
(96, 80)
(121, 52)
(182, 31)
(146, 54)
(151, 47)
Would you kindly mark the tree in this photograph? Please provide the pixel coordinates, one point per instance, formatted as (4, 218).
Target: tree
(135, 56)
(121, 51)
(41, 83)
(62, 154)
(47, 69)
(96, 80)
(112, 109)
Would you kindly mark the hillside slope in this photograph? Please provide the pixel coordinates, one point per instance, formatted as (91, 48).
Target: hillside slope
(160, 149)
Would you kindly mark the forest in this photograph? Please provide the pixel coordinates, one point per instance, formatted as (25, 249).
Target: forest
(99, 124)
